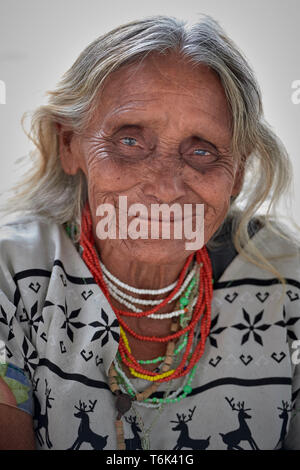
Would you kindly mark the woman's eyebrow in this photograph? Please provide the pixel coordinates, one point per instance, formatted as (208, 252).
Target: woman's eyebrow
(120, 124)
(117, 122)
(120, 127)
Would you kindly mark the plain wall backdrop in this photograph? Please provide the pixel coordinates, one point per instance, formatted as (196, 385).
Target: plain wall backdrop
(40, 39)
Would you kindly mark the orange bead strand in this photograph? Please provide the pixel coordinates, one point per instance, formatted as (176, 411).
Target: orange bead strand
(201, 309)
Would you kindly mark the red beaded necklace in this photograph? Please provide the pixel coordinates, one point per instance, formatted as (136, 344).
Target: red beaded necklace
(202, 307)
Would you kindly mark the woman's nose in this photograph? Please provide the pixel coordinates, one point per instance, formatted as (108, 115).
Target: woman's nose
(165, 188)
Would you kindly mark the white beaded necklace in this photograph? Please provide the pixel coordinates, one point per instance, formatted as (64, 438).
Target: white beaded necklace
(123, 298)
(135, 300)
(134, 289)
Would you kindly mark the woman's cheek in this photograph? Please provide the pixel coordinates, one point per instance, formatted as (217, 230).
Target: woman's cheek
(107, 175)
(213, 189)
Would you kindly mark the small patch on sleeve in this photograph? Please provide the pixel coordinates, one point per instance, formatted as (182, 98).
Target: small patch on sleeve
(15, 388)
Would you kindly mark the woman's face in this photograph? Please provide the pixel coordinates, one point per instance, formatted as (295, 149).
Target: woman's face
(160, 134)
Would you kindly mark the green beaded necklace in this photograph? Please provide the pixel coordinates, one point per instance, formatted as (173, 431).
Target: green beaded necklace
(184, 300)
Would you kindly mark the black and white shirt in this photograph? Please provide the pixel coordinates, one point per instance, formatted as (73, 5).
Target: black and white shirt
(59, 336)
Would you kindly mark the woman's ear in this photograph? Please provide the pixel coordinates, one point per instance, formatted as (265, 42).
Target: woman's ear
(67, 149)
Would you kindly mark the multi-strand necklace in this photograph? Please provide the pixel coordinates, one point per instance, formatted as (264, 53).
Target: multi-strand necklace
(193, 291)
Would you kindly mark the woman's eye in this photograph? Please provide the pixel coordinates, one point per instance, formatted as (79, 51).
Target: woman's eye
(202, 152)
(129, 141)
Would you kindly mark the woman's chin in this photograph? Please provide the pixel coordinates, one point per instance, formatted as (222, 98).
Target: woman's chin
(157, 251)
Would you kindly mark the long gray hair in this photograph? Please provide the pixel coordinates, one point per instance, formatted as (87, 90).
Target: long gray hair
(49, 192)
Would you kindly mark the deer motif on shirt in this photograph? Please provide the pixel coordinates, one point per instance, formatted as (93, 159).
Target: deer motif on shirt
(42, 418)
(242, 433)
(284, 416)
(135, 442)
(85, 434)
(184, 440)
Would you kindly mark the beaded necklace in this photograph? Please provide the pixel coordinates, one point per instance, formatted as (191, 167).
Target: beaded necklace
(155, 403)
(202, 308)
(187, 389)
(187, 366)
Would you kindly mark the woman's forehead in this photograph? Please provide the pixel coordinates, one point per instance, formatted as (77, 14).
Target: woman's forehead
(161, 73)
(145, 86)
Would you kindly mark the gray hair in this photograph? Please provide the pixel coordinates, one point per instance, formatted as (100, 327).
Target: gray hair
(48, 191)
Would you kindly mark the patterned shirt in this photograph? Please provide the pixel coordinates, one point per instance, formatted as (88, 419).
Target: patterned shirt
(59, 336)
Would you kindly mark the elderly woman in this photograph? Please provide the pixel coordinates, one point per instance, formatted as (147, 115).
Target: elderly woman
(116, 340)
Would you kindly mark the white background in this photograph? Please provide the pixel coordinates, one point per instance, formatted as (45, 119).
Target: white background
(40, 39)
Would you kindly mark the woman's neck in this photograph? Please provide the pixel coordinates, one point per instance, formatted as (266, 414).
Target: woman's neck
(139, 274)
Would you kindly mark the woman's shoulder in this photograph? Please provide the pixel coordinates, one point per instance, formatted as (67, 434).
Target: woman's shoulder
(37, 244)
(278, 237)
(29, 239)
(26, 226)
(279, 244)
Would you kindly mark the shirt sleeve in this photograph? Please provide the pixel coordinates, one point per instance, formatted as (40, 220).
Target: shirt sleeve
(15, 377)
(292, 438)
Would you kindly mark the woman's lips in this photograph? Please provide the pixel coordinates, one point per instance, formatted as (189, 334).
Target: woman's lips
(164, 219)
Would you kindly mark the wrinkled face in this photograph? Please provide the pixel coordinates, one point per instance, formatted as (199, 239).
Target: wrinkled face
(160, 134)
